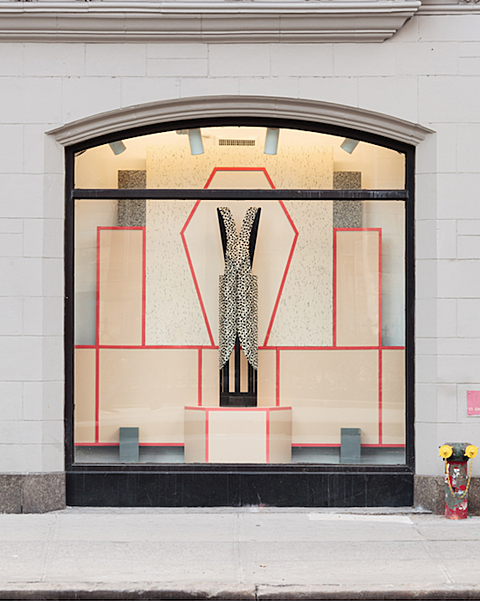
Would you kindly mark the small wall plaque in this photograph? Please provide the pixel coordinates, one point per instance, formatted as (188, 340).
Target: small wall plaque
(473, 403)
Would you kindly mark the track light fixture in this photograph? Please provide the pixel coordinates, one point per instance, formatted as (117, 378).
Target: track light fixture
(117, 147)
(196, 142)
(271, 141)
(349, 145)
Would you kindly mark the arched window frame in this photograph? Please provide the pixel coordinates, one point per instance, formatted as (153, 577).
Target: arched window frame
(300, 484)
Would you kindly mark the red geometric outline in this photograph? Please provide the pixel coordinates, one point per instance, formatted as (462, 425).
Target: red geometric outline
(190, 263)
(277, 349)
(266, 409)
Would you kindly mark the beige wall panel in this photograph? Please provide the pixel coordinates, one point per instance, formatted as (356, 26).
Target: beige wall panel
(243, 372)
(84, 395)
(210, 378)
(88, 215)
(304, 315)
(329, 390)
(357, 288)
(237, 436)
(147, 388)
(393, 396)
(266, 378)
(231, 373)
(121, 287)
(194, 435)
(280, 436)
(323, 424)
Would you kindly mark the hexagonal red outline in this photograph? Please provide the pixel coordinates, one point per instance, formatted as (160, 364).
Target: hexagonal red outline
(190, 264)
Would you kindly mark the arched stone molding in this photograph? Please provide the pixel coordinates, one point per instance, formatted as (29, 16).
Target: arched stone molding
(240, 106)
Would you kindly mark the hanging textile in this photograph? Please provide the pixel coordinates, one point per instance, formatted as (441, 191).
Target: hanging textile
(238, 289)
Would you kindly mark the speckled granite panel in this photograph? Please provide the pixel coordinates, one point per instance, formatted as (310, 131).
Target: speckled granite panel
(304, 315)
(131, 212)
(293, 167)
(32, 493)
(133, 178)
(347, 180)
(347, 214)
(173, 313)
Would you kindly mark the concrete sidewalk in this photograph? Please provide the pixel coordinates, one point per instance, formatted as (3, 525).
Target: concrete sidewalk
(242, 554)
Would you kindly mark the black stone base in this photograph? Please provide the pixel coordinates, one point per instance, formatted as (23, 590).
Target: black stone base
(220, 487)
(238, 400)
(430, 494)
(32, 493)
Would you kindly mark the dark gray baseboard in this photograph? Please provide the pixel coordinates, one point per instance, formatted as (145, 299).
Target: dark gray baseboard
(32, 493)
(45, 492)
(429, 493)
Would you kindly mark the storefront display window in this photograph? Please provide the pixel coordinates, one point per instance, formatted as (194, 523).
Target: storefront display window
(239, 330)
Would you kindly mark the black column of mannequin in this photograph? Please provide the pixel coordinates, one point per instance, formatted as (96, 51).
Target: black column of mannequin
(238, 398)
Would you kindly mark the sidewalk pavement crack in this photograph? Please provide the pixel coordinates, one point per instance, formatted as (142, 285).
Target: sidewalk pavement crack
(48, 546)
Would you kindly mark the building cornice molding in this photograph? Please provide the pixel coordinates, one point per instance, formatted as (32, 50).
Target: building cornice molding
(239, 106)
(449, 8)
(204, 20)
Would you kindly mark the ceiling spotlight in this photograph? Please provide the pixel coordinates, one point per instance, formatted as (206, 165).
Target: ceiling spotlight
(117, 147)
(349, 145)
(271, 141)
(196, 143)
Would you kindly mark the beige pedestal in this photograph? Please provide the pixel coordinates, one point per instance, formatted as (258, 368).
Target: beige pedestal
(238, 435)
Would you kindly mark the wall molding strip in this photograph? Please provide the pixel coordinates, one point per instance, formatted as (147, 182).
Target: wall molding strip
(206, 21)
(239, 106)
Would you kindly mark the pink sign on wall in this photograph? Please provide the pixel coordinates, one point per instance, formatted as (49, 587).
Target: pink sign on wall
(473, 403)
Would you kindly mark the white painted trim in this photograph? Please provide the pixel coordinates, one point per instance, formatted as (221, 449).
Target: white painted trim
(204, 20)
(240, 106)
(449, 9)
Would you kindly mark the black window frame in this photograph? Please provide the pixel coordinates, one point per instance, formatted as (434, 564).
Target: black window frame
(301, 485)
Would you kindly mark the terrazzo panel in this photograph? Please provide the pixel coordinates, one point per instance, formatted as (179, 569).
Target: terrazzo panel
(347, 180)
(347, 214)
(306, 167)
(173, 312)
(304, 315)
(131, 212)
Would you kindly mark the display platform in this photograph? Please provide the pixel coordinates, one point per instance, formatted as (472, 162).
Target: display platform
(261, 435)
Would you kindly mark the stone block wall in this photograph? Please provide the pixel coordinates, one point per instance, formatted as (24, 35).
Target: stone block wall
(427, 73)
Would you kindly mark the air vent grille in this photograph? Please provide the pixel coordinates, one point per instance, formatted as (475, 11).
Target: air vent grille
(233, 142)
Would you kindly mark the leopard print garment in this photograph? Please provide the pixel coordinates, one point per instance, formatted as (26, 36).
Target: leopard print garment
(238, 291)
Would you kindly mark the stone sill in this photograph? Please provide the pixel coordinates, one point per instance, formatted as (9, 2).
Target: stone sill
(204, 21)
